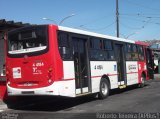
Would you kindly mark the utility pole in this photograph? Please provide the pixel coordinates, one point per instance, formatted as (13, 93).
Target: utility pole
(117, 18)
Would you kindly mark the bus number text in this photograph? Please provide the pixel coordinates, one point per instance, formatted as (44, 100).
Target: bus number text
(98, 67)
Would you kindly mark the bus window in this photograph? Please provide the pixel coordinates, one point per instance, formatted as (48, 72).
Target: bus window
(134, 48)
(141, 53)
(64, 46)
(97, 54)
(96, 43)
(111, 55)
(134, 53)
(128, 52)
(129, 48)
(108, 47)
(96, 49)
(27, 41)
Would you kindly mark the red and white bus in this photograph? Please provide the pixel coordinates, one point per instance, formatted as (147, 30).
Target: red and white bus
(61, 61)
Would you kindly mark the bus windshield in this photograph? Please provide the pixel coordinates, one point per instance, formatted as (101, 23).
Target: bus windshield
(27, 40)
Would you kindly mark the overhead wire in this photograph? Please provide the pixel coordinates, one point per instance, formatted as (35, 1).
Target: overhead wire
(137, 4)
(141, 15)
(96, 20)
(98, 29)
(149, 17)
(140, 20)
(146, 19)
(84, 26)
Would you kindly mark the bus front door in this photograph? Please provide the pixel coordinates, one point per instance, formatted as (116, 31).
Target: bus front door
(150, 63)
(81, 63)
(120, 65)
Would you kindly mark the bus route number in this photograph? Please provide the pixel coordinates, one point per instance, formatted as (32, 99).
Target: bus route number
(98, 67)
(37, 67)
(39, 64)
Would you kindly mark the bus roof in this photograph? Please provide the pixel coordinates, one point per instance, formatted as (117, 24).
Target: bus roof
(142, 43)
(83, 32)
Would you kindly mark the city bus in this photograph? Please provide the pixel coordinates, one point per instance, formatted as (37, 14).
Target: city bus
(61, 61)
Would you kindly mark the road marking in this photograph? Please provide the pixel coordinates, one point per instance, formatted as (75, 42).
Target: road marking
(1, 110)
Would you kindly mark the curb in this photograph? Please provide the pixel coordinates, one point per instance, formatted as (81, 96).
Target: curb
(1, 102)
(156, 76)
(3, 106)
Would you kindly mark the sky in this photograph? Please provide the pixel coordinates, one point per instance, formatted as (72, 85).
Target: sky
(138, 19)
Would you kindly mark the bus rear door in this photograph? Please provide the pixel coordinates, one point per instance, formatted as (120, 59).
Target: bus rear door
(150, 63)
(119, 49)
(81, 63)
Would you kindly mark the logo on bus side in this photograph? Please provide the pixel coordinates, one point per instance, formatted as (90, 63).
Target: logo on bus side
(132, 67)
(17, 72)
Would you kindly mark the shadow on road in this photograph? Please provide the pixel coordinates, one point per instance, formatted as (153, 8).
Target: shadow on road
(51, 103)
(47, 103)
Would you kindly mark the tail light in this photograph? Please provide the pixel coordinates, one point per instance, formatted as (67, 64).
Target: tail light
(8, 76)
(9, 83)
(50, 71)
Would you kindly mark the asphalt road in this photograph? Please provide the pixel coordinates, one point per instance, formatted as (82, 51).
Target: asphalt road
(129, 101)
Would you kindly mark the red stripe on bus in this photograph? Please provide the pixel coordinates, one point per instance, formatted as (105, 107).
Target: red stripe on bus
(112, 74)
(132, 72)
(93, 76)
(101, 76)
(106, 74)
(69, 79)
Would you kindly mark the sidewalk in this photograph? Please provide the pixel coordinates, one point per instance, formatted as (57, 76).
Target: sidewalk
(156, 76)
(3, 106)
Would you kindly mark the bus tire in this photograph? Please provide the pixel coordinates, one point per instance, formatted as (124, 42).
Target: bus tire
(143, 81)
(104, 89)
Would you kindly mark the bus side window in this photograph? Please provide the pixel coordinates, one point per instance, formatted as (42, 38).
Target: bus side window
(96, 49)
(108, 48)
(128, 52)
(140, 53)
(134, 52)
(64, 46)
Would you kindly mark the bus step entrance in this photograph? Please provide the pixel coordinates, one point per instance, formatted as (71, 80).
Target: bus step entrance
(122, 86)
(83, 94)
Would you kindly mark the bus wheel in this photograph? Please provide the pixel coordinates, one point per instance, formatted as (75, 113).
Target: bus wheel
(104, 89)
(143, 81)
